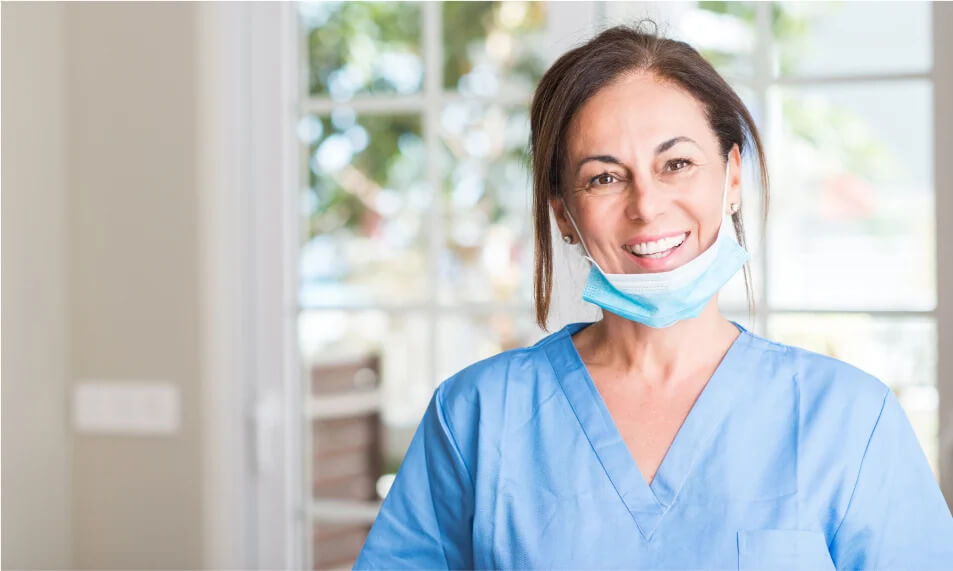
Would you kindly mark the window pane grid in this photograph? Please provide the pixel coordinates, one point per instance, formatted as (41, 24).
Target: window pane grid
(432, 98)
(919, 399)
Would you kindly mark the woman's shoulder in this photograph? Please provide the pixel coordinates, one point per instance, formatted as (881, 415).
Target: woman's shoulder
(506, 378)
(825, 382)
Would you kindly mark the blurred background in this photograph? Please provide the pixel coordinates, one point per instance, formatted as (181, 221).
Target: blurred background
(243, 243)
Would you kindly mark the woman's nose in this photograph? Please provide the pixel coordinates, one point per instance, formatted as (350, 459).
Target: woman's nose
(643, 201)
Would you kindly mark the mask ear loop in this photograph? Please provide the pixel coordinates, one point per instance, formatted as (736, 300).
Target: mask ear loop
(588, 255)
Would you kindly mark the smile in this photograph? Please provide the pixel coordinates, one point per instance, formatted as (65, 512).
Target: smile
(656, 249)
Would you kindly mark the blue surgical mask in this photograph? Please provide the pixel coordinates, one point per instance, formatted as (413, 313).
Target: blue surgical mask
(664, 298)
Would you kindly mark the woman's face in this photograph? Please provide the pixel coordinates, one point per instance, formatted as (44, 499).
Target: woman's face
(643, 166)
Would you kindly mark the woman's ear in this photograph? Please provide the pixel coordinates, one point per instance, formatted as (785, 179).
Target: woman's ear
(562, 221)
(734, 183)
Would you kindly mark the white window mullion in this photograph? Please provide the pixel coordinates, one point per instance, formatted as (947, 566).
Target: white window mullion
(931, 314)
(432, 49)
(763, 73)
(507, 99)
(369, 104)
(816, 80)
(820, 80)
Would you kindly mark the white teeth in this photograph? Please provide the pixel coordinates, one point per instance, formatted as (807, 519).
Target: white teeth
(657, 246)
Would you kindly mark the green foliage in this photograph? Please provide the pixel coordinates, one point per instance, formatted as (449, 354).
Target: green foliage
(791, 27)
(336, 205)
(344, 34)
(743, 10)
(355, 33)
(463, 24)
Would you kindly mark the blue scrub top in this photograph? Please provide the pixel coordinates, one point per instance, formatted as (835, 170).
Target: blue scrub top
(788, 459)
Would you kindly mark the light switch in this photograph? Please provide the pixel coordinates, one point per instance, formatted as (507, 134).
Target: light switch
(129, 407)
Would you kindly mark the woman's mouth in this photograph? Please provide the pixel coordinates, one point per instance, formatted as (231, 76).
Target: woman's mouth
(656, 255)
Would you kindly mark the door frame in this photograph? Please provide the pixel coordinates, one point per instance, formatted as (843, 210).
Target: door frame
(251, 379)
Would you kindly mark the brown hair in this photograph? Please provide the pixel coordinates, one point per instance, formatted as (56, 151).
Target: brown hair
(577, 75)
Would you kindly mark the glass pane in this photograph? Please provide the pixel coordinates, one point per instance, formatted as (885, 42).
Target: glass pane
(398, 342)
(723, 32)
(336, 545)
(488, 251)
(493, 47)
(397, 350)
(365, 371)
(901, 352)
(852, 220)
(362, 48)
(464, 339)
(733, 296)
(365, 210)
(867, 37)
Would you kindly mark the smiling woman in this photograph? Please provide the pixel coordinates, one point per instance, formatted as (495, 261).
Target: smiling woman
(663, 435)
(671, 211)
(674, 122)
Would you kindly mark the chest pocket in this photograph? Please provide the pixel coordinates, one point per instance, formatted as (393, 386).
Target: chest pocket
(783, 549)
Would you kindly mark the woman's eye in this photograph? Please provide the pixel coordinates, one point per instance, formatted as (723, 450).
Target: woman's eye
(604, 178)
(684, 162)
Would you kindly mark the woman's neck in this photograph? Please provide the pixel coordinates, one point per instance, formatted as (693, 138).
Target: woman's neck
(657, 355)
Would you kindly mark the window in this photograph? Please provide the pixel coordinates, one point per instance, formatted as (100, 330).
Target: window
(416, 258)
(417, 251)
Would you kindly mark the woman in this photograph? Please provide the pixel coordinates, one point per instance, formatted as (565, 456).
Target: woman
(663, 435)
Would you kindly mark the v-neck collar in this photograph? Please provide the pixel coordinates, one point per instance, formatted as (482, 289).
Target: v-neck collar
(646, 503)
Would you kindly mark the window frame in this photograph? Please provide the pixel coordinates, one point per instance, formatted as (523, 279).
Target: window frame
(251, 376)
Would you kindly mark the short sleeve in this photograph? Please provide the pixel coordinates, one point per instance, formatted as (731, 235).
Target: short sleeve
(896, 517)
(426, 518)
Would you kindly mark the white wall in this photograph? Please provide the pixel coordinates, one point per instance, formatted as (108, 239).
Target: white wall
(36, 446)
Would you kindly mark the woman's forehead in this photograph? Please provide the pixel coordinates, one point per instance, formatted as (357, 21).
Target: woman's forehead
(634, 115)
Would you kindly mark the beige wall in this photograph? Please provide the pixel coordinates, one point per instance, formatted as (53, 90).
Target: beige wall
(133, 270)
(100, 280)
(35, 442)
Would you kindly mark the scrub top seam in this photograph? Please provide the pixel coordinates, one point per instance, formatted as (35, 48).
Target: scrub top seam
(797, 436)
(592, 446)
(765, 341)
(860, 469)
(444, 419)
(433, 506)
(556, 335)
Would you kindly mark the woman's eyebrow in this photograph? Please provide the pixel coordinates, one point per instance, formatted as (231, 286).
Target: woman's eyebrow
(600, 158)
(671, 142)
(661, 148)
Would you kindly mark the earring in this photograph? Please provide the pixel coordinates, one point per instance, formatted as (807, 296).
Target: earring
(567, 238)
(733, 207)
